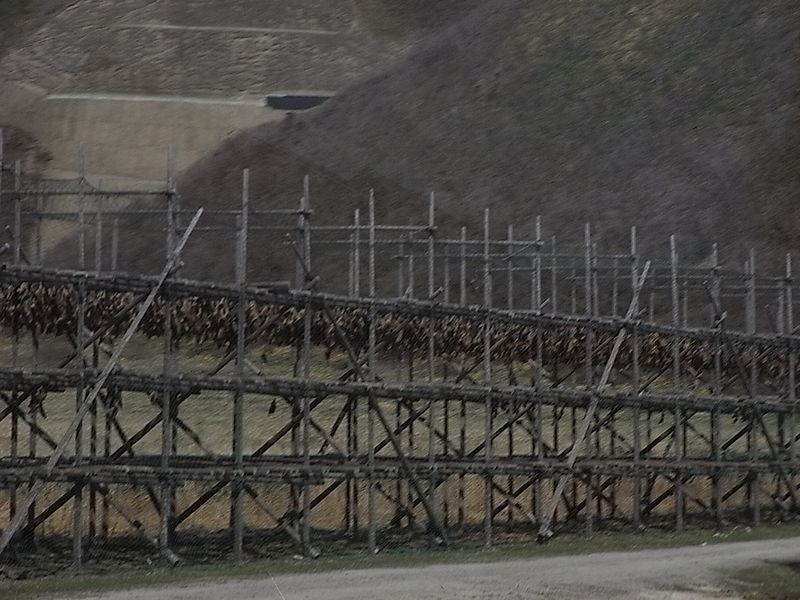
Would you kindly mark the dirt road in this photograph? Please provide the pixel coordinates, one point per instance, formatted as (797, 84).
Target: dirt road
(688, 573)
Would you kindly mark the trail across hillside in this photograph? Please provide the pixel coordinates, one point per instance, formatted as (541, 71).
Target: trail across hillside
(689, 573)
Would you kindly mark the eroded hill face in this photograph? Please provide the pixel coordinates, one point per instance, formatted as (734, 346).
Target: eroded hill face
(677, 117)
(126, 79)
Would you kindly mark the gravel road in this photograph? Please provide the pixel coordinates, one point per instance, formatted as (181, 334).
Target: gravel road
(688, 573)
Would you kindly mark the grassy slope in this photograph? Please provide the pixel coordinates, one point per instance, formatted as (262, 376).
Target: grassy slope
(679, 116)
(768, 581)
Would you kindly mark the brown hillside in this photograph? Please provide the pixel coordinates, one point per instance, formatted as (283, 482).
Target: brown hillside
(678, 117)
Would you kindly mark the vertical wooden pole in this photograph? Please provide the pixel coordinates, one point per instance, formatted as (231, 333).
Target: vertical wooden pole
(77, 503)
(615, 288)
(716, 414)
(791, 368)
(115, 245)
(35, 399)
(112, 398)
(755, 483)
(238, 496)
(573, 288)
(445, 448)
(510, 269)
(372, 534)
(306, 234)
(554, 278)
(685, 305)
(168, 433)
(2, 164)
(512, 409)
(637, 411)
(587, 300)
(93, 410)
(679, 428)
(17, 242)
(398, 409)
(462, 434)
(595, 282)
(589, 365)
(411, 270)
(487, 370)
(39, 225)
(357, 254)
(350, 266)
(433, 418)
(12, 491)
(652, 308)
(537, 504)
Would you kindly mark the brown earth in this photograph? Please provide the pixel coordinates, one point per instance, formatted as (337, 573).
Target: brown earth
(680, 117)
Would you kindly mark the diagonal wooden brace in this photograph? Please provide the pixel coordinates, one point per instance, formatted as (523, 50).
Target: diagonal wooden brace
(545, 531)
(37, 487)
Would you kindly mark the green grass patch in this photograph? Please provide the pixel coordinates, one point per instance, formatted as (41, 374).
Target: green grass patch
(773, 581)
(73, 584)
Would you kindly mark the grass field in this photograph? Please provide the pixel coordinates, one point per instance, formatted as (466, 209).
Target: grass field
(770, 581)
(74, 584)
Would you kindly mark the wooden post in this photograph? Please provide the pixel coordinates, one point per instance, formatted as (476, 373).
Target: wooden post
(77, 503)
(537, 446)
(679, 426)
(357, 254)
(433, 418)
(554, 279)
(716, 415)
(165, 538)
(446, 403)
(17, 242)
(637, 411)
(111, 398)
(17, 250)
(307, 321)
(487, 373)
(115, 246)
(510, 304)
(615, 288)
(754, 488)
(238, 496)
(39, 224)
(589, 365)
(2, 164)
(792, 361)
(462, 434)
(595, 282)
(373, 374)
(93, 411)
(791, 367)
(685, 305)
(587, 300)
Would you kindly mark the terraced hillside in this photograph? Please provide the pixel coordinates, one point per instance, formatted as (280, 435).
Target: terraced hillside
(100, 71)
(679, 117)
(207, 47)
